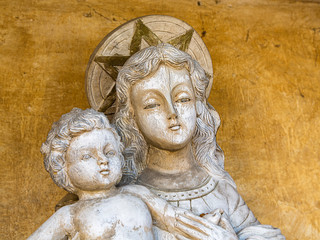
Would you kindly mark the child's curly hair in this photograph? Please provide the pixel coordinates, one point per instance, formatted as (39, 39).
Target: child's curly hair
(71, 125)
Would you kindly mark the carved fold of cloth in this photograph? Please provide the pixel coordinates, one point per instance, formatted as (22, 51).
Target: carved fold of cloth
(217, 194)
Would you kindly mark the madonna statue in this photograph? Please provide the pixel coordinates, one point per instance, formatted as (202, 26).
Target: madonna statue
(169, 129)
(159, 101)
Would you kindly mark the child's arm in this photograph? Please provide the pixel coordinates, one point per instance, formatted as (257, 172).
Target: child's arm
(56, 227)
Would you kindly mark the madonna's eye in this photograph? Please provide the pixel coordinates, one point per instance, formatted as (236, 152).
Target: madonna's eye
(111, 153)
(183, 100)
(153, 105)
(86, 157)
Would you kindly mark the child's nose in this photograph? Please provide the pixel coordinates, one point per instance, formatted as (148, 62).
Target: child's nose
(102, 159)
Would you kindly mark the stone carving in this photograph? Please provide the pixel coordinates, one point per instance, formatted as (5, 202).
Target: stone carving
(165, 122)
(151, 77)
(83, 156)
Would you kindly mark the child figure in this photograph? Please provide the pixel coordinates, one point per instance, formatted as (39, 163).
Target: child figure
(83, 156)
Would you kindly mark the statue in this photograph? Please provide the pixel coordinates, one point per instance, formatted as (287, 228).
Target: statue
(83, 156)
(173, 169)
(165, 122)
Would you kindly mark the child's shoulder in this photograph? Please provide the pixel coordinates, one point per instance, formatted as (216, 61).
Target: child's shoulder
(135, 189)
(66, 210)
(129, 204)
(66, 213)
(127, 199)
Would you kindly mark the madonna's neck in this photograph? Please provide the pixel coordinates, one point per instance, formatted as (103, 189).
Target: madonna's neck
(171, 162)
(172, 170)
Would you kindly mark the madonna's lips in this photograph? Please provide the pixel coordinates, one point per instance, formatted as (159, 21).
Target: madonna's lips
(175, 127)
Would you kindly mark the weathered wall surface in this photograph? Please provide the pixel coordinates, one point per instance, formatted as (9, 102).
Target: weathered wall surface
(266, 57)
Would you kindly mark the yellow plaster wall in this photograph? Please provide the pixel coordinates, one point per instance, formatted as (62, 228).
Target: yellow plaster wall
(266, 57)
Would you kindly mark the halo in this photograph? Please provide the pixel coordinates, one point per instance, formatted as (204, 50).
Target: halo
(127, 39)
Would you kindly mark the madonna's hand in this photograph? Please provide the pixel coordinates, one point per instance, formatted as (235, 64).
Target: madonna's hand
(191, 226)
(218, 217)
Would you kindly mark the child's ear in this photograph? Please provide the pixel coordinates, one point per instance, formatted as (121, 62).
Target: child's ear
(122, 160)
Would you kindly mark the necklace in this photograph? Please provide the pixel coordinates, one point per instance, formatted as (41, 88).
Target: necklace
(204, 188)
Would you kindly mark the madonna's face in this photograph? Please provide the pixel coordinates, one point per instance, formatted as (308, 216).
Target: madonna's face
(164, 108)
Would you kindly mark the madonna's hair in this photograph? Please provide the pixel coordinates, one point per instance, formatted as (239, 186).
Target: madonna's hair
(71, 125)
(147, 61)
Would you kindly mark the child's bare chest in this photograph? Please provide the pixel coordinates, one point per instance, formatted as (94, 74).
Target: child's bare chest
(117, 217)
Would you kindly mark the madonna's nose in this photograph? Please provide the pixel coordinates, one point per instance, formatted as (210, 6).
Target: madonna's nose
(172, 112)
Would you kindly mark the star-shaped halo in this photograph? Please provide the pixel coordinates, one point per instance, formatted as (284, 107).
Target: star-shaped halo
(117, 47)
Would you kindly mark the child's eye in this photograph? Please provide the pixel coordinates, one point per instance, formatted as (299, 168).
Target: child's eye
(86, 157)
(111, 153)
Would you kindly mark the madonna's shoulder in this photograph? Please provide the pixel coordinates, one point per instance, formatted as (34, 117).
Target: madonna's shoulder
(229, 191)
(226, 185)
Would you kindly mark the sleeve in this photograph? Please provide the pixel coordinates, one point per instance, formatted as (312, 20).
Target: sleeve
(242, 219)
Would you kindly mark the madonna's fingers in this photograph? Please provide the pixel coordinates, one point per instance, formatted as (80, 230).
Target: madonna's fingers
(214, 216)
(181, 237)
(192, 229)
(190, 232)
(224, 223)
(198, 219)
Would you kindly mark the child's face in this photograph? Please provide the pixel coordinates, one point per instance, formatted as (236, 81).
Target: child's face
(93, 161)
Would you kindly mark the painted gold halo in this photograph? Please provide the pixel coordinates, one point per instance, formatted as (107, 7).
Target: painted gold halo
(127, 39)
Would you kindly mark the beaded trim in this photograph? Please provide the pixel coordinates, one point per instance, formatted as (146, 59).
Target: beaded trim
(208, 186)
